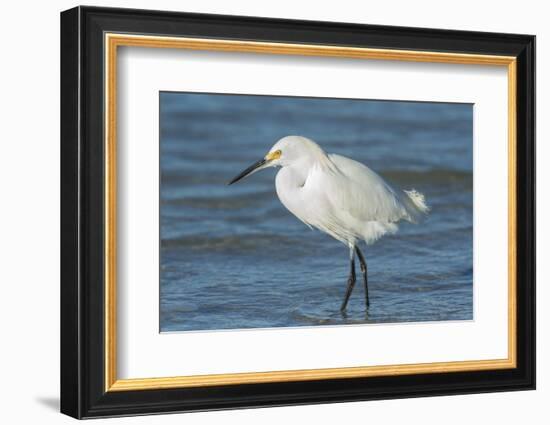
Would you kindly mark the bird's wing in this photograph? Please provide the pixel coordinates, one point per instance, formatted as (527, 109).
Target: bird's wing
(354, 189)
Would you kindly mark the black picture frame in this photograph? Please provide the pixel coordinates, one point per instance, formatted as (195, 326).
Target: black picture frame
(83, 392)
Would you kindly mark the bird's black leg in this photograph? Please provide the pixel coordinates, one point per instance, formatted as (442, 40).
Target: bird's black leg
(364, 271)
(351, 281)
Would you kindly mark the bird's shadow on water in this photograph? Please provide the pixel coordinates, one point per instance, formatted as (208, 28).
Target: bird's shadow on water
(345, 316)
(51, 403)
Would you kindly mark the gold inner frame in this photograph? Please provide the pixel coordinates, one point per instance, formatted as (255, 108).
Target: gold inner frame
(113, 41)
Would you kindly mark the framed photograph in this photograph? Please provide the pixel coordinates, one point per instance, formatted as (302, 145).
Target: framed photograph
(261, 212)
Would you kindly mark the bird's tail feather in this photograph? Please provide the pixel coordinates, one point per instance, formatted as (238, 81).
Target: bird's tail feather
(415, 204)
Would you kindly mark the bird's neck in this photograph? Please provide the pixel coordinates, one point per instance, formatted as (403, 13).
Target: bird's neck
(319, 160)
(302, 168)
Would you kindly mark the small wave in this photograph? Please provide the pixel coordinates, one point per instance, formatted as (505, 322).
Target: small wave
(239, 243)
(440, 176)
(230, 202)
(322, 318)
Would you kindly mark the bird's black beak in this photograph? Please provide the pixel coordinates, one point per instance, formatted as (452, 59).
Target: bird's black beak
(249, 170)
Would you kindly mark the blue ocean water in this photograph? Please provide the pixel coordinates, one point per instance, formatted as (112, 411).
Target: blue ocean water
(233, 257)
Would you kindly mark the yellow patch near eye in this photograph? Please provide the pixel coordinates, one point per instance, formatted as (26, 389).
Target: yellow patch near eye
(273, 155)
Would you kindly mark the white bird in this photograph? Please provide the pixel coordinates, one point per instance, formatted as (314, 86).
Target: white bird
(338, 196)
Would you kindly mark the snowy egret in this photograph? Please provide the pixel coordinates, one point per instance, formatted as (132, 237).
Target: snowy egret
(338, 196)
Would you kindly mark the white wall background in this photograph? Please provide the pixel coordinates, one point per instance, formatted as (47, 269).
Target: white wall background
(29, 224)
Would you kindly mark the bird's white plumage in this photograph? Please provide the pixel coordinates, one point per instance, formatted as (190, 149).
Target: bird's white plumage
(338, 195)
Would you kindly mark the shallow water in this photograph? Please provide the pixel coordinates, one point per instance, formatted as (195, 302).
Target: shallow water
(233, 257)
